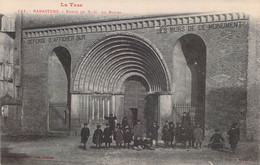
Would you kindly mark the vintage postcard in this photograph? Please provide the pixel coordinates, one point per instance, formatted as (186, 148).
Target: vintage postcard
(129, 82)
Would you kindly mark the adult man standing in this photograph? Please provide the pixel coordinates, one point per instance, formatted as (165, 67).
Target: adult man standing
(111, 121)
(233, 136)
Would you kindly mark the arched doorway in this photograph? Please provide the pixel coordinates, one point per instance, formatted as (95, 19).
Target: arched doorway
(189, 77)
(59, 64)
(105, 76)
(135, 91)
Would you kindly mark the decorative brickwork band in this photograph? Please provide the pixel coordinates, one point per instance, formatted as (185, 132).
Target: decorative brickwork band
(123, 25)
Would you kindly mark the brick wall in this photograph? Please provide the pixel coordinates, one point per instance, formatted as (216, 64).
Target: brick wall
(226, 71)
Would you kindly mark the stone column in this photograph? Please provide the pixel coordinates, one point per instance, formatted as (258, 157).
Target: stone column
(98, 108)
(108, 106)
(103, 108)
(87, 107)
(113, 102)
(93, 108)
(74, 106)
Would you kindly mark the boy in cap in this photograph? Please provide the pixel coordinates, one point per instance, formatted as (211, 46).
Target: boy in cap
(98, 136)
(154, 133)
(119, 136)
(107, 135)
(85, 134)
(127, 136)
(171, 133)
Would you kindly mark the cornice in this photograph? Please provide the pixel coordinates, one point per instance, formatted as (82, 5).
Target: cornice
(125, 25)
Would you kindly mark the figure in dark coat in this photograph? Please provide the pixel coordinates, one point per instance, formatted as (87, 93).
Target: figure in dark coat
(119, 136)
(171, 132)
(190, 135)
(165, 134)
(124, 123)
(178, 134)
(127, 136)
(233, 136)
(216, 140)
(154, 133)
(85, 134)
(185, 120)
(111, 121)
(98, 136)
(184, 139)
(198, 136)
(107, 136)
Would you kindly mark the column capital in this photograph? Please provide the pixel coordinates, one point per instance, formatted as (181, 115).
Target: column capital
(159, 93)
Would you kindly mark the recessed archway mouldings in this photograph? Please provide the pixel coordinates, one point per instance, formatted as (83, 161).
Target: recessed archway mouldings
(110, 59)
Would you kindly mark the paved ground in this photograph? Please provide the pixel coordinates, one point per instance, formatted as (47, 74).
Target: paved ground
(68, 150)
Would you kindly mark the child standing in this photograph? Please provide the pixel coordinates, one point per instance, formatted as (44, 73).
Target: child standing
(97, 137)
(84, 134)
(119, 136)
(107, 135)
(165, 134)
(127, 136)
(171, 133)
(198, 135)
(178, 134)
(154, 133)
(183, 137)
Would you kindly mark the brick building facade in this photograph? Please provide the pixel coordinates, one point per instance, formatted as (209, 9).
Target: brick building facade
(152, 68)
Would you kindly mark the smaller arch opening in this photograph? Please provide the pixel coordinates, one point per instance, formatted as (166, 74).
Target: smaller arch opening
(189, 77)
(59, 70)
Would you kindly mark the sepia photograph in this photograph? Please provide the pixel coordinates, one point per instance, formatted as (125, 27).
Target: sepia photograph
(129, 82)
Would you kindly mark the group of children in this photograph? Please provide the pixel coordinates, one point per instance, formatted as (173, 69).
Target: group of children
(121, 135)
(184, 133)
